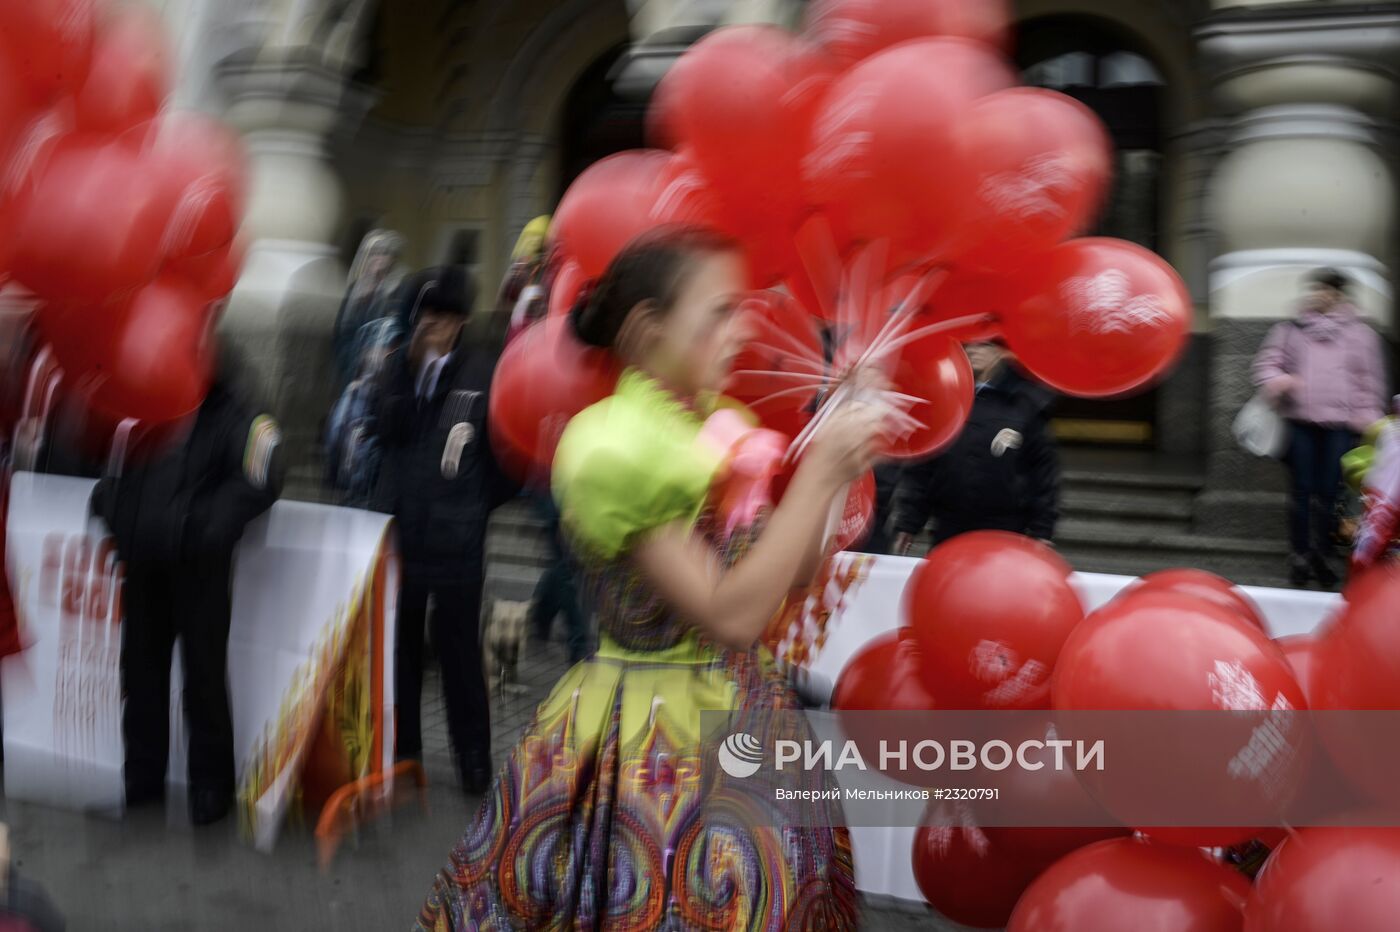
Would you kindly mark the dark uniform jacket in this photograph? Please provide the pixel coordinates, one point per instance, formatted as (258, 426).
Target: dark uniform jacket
(189, 505)
(438, 476)
(1002, 473)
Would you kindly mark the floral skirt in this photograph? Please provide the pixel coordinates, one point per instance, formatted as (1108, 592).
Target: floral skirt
(613, 813)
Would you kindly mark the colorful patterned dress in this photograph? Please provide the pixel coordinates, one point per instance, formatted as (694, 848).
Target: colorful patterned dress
(612, 811)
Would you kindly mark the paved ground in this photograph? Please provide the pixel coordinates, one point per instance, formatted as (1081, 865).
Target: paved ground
(152, 872)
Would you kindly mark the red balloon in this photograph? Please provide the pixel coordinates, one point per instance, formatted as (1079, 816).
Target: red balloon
(857, 513)
(969, 879)
(935, 369)
(564, 291)
(544, 377)
(886, 161)
(48, 43)
(1171, 651)
(129, 77)
(966, 293)
(782, 357)
(82, 335)
(850, 30)
(213, 274)
(161, 362)
(61, 252)
(1041, 165)
(202, 166)
(740, 102)
(987, 644)
(884, 674)
(1055, 790)
(1203, 585)
(1101, 317)
(1131, 884)
(1356, 665)
(16, 112)
(1300, 650)
(1326, 879)
(619, 198)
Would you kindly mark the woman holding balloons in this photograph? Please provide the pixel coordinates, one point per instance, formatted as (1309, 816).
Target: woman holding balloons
(612, 792)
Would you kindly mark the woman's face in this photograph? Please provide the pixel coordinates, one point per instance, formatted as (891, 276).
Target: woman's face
(700, 335)
(1323, 298)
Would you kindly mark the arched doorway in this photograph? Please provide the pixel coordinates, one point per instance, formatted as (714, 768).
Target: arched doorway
(1106, 69)
(596, 121)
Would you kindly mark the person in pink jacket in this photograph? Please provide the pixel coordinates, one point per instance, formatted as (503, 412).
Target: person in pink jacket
(1325, 373)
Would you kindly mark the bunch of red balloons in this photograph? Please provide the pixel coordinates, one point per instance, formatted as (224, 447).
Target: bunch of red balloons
(884, 156)
(1181, 640)
(120, 218)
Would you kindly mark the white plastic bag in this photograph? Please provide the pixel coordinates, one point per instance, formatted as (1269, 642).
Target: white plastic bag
(1260, 429)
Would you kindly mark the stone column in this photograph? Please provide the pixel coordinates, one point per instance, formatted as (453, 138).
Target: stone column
(282, 311)
(1189, 159)
(1306, 179)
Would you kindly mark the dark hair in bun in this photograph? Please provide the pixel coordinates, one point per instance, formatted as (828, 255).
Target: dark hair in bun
(652, 267)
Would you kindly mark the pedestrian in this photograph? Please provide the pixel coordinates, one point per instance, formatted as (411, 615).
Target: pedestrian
(1324, 372)
(611, 812)
(372, 293)
(353, 453)
(176, 518)
(1001, 473)
(440, 481)
(556, 594)
(524, 295)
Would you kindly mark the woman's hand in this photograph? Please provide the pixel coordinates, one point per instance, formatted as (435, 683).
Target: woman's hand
(1276, 389)
(846, 445)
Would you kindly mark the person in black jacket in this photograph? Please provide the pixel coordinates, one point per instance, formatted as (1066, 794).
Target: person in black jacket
(1002, 473)
(176, 519)
(440, 481)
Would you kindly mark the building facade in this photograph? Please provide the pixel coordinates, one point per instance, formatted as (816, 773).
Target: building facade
(1256, 140)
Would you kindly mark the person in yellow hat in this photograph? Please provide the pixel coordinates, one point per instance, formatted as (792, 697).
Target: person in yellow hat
(525, 291)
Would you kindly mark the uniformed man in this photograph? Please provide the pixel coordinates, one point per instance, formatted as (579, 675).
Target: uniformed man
(439, 479)
(1002, 473)
(176, 519)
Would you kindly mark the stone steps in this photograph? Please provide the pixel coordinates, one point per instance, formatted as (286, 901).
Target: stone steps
(1167, 507)
(1139, 547)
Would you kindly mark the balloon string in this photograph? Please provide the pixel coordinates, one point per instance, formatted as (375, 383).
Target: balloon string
(785, 393)
(875, 297)
(812, 364)
(853, 300)
(779, 374)
(799, 348)
(903, 316)
(816, 247)
(800, 442)
(940, 327)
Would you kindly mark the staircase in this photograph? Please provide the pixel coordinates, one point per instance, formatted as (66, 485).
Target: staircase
(1132, 514)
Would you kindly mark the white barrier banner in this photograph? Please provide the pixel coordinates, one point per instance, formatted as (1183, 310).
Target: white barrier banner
(310, 585)
(863, 596)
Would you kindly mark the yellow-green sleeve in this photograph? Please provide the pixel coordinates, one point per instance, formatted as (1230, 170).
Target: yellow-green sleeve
(623, 468)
